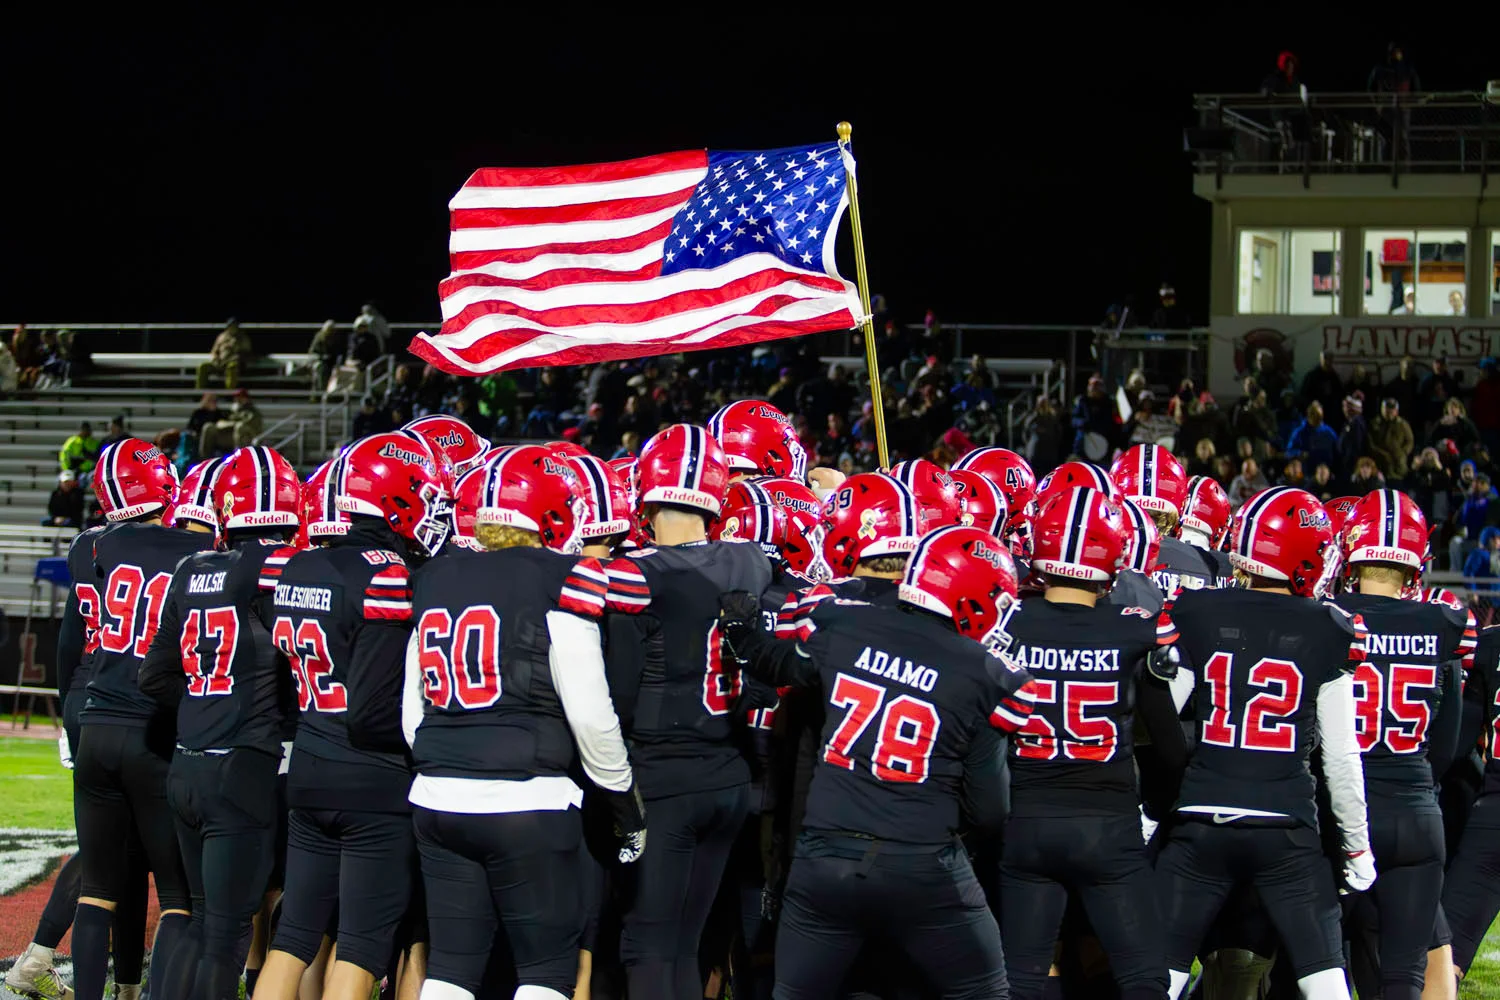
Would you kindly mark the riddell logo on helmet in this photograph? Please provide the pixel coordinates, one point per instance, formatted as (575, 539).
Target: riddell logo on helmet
(989, 555)
(1379, 553)
(450, 440)
(402, 454)
(263, 520)
(1061, 569)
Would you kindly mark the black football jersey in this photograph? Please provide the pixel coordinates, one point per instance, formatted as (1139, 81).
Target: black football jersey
(1183, 567)
(1075, 754)
(78, 635)
(215, 639)
(1259, 661)
(1484, 687)
(489, 709)
(1133, 589)
(1415, 654)
(685, 730)
(132, 569)
(905, 697)
(324, 600)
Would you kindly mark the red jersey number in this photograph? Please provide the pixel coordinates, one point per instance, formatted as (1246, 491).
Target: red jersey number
(906, 731)
(222, 625)
(305, 645)
(1263, 724)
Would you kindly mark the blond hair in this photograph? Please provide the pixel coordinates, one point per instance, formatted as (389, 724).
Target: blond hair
(1166, 521)
(1389, 574)
(504, 536)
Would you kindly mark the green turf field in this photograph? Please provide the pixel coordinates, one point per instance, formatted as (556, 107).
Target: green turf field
(39, 793)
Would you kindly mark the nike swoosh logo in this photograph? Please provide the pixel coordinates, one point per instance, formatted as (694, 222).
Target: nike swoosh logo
(1221, 818)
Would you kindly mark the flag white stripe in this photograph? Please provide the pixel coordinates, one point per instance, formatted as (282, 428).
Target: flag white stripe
(552, 195)
(587, 231)
(631, 260)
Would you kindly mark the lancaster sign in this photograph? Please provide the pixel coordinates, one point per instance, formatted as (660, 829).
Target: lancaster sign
(1377, 343)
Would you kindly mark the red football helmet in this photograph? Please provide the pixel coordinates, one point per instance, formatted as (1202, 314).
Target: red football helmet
(1206, 509)
(934, 489)
(257, 488)
(567, 449)
(801, 541)
(684, 466)
(466, 504)
(1005, 469)
(966, 576)
(1151, 476)
(1285, 534)
(1339, 509)
(321, 517)
(1073, 475)
(195, 497)
(1142, 539)
(451, 438)
(1078, 534)
(751, 518)
(983, 502)
(758, 439)
(530, 487)
(396, 478)
(1386, 526)
(134, 478)
(870, 515)
(609, 511)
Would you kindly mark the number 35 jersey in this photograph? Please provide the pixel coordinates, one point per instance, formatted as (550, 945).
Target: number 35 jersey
(335, 608)
(133, 566)
(1260, 661)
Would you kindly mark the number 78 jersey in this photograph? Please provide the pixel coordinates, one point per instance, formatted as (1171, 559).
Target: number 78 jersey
(1260, 660)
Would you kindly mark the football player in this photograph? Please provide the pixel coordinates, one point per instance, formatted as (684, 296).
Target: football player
(1151, 477)
(1471, 889)
(936, 492)
(758, 440)
(213, 662)
(1075, 824)
(1205, 524)
(505, 686)
(1274, 671)
(1013, 476)
(1407, 718)
(909, 747)
(983, 503)
(680, 703)
(126, 741)
(452, 442)
(343, 615)
(608, 513)
(1134, 586)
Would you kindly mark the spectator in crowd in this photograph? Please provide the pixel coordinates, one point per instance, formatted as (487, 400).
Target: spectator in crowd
(1485, 404)
(1391, 441)
(1268, 376)
(1168, 315)
(1483, 563)
(1202, 418)
(1044, 436)
(1249, 482)
(1474, 514)
(206, 413)
(1404, 386)
(364, 344)
(242, 427)
(835, 440)
(324, 352)
(1363, 381)
(1256, 422)
(466, 408)
(1224, 471)
(1408, 305)
(975, 391)
(80, 451)
(630, 446)
(376, 326)
(1454, 425)
(1435, 391)
(115, 432)
(1313, 439)
(1288, 416)
(231, 350)
(402, 392)
(1293, 475)
(1322, 485)
(28, 354)
(1429, 485)
(370, 419)
(783, 392)
(65, 506)
(1366, 477)
(638, 417)
(1202, 462)
(1323, 385)
(499, 397)
(433, 389)
(1094, 413)
(863, 431)
(1396, 76)
(1456, 303)
(10, 373)
(54, 372)
(685, 392)
(1354, 440)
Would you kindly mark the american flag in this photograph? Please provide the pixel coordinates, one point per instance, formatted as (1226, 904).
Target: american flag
(679, 252)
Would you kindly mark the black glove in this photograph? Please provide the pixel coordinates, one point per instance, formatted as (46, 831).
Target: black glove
(1164, 662)
(739, 615)
(630, 822)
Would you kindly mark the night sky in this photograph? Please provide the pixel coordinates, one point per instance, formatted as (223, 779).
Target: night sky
(280, 167)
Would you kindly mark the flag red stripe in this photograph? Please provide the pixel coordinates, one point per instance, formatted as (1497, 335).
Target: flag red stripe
(624, 208)
(586, 354)
(639, 312)
(588, 173)
(547, 279)
(467, 259)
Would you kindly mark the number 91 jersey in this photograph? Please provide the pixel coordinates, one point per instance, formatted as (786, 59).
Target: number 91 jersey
(905, 698)
(133, 564)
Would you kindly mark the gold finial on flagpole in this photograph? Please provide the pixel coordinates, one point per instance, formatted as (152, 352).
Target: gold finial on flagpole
(867, 325)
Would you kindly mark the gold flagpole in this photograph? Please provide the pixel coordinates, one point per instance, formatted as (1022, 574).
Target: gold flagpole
(844, 129)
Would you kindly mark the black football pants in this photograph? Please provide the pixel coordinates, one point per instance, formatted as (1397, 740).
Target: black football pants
(225, 805)
(513, 871)
(1408, 849)
(1471, 889)
(359, 865)
(920, 899)
(119, 784)
(672, 889)
(1203, 862)
(1102, 861)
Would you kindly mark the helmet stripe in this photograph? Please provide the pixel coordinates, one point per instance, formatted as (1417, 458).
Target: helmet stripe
(1252, 518)
(111, 475)
(1078, 508)
(918, 558)
(204, 497)
(909, 522)
(692, 465)
(1138, 521)
(333, 485)
(597, 486)
(1390, 518)
(1148, 471)
(262, 477)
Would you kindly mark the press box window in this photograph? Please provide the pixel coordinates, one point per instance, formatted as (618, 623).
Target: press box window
(1288, 272)
(1415, 272)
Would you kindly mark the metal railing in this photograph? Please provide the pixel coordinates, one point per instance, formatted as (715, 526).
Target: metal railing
(1395, 134)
